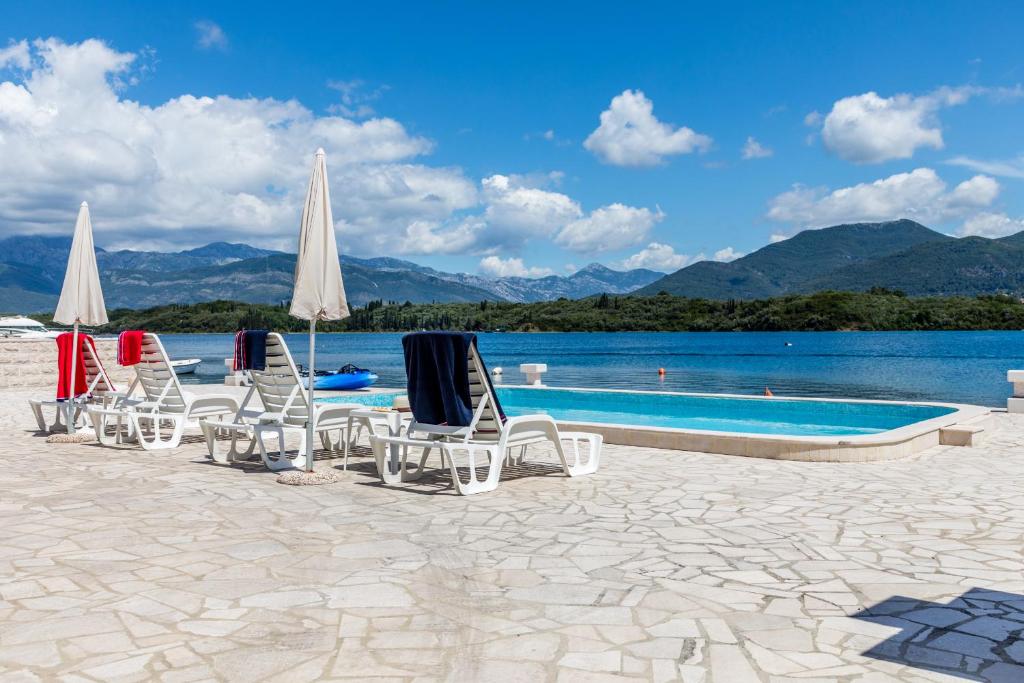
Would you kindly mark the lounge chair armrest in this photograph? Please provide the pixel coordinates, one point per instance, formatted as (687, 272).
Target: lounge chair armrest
(527, 423)
(205, 403)
(336, 411)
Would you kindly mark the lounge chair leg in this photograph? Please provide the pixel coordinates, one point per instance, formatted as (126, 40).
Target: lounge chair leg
(101, 419)
(474, 486)
(579, 466)
(280, 461)
(37, 410)
(157, 442)
(213, 430)
(348, 443)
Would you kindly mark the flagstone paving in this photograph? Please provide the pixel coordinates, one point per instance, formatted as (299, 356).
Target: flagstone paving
(121, 565)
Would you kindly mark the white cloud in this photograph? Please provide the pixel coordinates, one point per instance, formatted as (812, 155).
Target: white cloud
(611, 227)
(869, 128)
(630, 135)
(15, 55)
(727, 254)
(190, 164)
(493, 266)
(991, 225)
(778, 237)
(192, 169)
(755, 150)
(813, 118)
(657, 256)
(210, 36)
(355, 98)
(1008, 168)
(517, 209)
(920, 194)
(978, 191)
(429, 237)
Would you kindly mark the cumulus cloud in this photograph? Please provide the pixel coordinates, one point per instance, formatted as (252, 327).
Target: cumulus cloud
(778, 237)
(517, 209)
(869, 128)
(755, 150)
(191, 163)
(180, 172)
(630, 134)
(494, 266)
(727, 254)
(15, 55)
(991, 225)
(608, 228)
(210, 36)
(657, 256)
(920, 194)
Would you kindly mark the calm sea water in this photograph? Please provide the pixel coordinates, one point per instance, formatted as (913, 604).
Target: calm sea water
(968, 367)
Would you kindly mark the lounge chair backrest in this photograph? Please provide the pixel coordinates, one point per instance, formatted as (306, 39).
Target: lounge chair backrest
(279, 385)
(489, 424)
(98, 381)
(157, 378)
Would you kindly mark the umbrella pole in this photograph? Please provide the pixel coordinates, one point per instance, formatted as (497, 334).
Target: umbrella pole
(312, 380)
(71, 389)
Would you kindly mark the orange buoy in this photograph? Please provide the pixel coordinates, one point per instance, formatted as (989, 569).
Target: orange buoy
(768, 392)
(661, 372)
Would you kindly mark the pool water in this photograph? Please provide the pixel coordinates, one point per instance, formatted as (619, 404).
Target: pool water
(708, 413)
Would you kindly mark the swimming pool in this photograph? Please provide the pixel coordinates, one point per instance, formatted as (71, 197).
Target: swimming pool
(780, 428)
(718, 413)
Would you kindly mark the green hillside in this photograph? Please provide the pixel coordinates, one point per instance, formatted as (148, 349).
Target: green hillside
(953, 267)
(788, 266)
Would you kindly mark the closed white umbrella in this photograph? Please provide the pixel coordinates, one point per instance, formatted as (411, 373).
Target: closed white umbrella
(319, 292)
(81, 297)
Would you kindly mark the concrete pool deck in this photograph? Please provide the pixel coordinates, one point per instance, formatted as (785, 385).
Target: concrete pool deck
(122, 565)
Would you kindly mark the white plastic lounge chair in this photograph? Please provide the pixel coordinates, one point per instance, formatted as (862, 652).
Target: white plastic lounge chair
(285, 412)
(489, 434)
(240, 427)
(100, 391)
(163, 403)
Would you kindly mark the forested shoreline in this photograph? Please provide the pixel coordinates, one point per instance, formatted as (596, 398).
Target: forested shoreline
(875, 310)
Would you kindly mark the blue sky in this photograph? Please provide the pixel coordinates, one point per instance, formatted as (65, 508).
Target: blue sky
(469, 136)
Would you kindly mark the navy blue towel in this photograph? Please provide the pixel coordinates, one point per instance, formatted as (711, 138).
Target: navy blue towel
(251, 350)
(438, 377)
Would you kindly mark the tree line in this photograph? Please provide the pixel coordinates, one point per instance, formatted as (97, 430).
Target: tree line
(877, 309)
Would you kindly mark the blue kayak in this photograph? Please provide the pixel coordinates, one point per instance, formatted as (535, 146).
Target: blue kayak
(348, 378)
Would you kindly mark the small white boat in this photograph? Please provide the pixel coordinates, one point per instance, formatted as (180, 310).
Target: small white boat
(20, 327)
(186, 366)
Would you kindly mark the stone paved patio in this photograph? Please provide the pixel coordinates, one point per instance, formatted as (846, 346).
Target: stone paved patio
(116, 564)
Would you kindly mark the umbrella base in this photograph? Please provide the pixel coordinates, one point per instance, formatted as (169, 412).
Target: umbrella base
(303, 478)
(64, 437)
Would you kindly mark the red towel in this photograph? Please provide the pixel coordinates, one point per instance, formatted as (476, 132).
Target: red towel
(129, 347)
(64, 356)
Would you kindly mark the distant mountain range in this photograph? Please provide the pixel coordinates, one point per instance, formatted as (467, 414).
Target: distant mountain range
(32, 272)
(899, 255)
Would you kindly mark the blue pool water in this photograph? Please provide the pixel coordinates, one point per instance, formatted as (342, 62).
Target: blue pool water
(748, 416)
(957, 367)
(709, 413)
